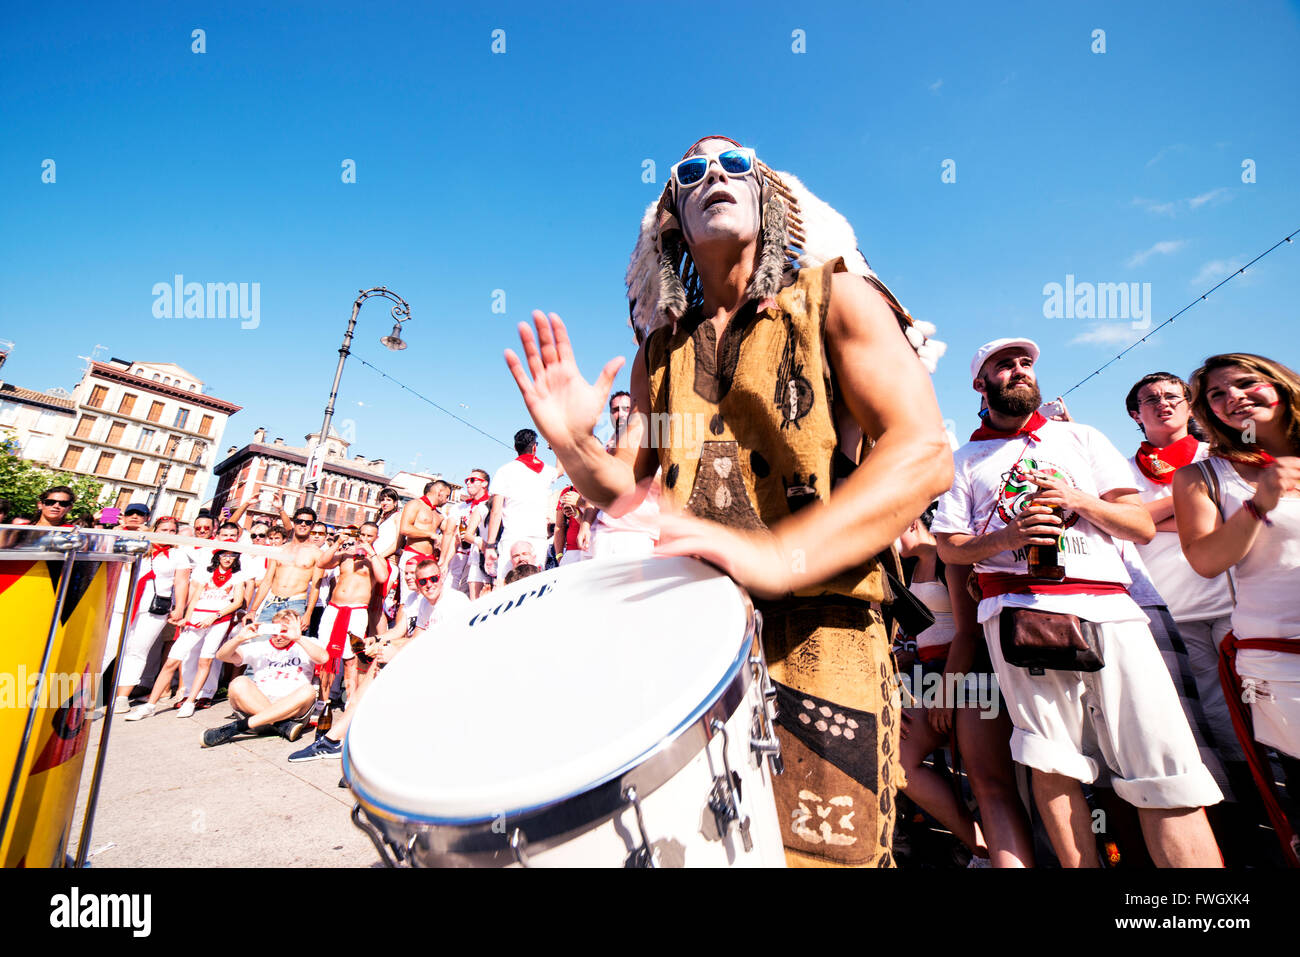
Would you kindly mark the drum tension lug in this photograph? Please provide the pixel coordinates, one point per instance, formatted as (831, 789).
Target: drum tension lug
(763, 739)
(641, 856)
(724, 799)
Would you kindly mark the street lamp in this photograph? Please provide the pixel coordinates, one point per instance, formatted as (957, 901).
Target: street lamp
(401, 312)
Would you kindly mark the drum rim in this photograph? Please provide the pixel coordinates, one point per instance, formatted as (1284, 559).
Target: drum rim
(547, 825)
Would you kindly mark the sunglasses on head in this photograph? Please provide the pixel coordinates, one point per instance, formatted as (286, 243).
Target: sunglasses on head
(57, 502)
(692, 170)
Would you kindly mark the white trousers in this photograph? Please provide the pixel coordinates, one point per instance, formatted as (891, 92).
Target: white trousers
(1271, 685)
(140, 640)
(1125, 719)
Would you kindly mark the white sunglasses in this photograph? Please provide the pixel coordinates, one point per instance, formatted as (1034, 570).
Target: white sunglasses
(692, 170)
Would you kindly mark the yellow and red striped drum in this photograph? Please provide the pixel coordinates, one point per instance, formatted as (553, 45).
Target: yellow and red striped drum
(56, 601)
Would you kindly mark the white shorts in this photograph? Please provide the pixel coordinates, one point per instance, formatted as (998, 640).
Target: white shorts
(1124, 719)
(1271, 683)
(280, 687)
(458, 571)
(476, 573)
(357, 622)
(207, 640)
(573, 556)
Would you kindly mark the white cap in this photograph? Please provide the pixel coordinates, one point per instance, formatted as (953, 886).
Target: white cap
(997, 345)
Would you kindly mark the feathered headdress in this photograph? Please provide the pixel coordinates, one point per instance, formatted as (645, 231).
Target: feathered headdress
(798, 230)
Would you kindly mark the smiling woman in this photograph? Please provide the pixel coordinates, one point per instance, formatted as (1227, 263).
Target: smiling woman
(1241, 511)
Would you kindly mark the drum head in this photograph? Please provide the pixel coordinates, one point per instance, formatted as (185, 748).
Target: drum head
(543, 689)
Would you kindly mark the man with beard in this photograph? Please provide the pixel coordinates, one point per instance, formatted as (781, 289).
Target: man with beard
(1024, 480)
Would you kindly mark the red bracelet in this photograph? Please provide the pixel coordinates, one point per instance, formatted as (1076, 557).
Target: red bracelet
(1253, 510)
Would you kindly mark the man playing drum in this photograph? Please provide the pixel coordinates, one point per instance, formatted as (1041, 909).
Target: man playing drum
(771, 364)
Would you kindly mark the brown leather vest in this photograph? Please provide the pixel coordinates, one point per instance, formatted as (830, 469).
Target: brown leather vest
(745, 427)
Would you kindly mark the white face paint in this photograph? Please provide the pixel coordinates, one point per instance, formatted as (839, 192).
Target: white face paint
(720, 208)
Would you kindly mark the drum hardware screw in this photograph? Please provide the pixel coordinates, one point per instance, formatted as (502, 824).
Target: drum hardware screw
(764, 740)
(67, 542)
(131, 546)
(724, 801)
(519, 844)
(642, 856)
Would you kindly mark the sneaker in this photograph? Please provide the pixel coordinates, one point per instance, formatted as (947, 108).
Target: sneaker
(121, 706)
(141, 711)
(291, 729)
(322, 747)
(186, 710)
(202, 704)
(220, 735)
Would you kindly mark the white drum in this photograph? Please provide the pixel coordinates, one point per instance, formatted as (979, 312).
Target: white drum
(604, 714)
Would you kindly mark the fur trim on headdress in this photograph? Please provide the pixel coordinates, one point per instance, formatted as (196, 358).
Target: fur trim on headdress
(798, 230)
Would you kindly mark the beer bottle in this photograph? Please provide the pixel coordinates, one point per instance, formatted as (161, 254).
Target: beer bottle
(326, 719)
(1044, 560)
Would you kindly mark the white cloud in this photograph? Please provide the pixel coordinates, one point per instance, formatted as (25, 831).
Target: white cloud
(1196, 202)
(1151, 206)
(1165, 247)
(934, 87)
(1214, 270)
(1173, 207)
(1107, 333)
(1165, 151)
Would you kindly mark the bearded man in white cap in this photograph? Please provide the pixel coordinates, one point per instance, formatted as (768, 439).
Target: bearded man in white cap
(1084, 682)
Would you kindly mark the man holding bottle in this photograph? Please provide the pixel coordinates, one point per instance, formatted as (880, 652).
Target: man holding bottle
(1024, 483)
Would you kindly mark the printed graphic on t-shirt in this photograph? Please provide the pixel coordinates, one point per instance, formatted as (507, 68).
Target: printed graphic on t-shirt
(1019, 487)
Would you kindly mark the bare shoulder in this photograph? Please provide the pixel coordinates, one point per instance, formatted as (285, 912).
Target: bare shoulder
(857, 308)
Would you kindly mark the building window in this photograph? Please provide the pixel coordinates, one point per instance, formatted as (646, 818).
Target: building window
(115, 432)
(178, 509)
(290, 502)
(97, 396)
(295, 478)
(187, 483)
(71, 457)
(133, 469)
(156, 411)
(123, 498)
(45, 422)
(104, 464)
(181, 416)
(8, 413)
(84, 425)
(145, 442)
(331, 510)
(196, 453)
(157, 376)
(205, 425)
(127, 404)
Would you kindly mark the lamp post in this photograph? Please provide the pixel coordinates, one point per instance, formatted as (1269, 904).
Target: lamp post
(401, 312)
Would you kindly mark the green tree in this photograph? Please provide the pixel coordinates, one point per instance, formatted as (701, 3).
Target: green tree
(22, 482)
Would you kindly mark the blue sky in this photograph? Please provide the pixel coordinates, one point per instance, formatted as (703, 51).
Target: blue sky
(522, 172)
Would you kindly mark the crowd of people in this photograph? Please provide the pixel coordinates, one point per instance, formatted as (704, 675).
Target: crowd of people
(295, 636)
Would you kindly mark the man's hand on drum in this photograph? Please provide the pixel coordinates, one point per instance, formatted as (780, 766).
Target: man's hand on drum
(563, 404)
(754, 560)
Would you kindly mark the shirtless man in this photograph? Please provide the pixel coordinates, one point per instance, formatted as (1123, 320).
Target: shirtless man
(354, 608)
(292, 580)
(424, 528)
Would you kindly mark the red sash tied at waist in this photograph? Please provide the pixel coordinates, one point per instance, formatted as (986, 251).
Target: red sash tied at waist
(1233, 691)
(1002, 583)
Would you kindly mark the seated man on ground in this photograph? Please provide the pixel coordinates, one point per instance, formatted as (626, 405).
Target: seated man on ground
(275, 692)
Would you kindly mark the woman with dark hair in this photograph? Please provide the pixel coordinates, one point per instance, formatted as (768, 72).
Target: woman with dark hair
(1239, 512)
(151, 606)
(216, 597)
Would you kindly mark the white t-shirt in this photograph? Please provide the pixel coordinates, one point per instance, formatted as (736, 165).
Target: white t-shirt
(164, 567)
(1189, 596)
(525, 500)
(277, 671)
(214, 597)
(386, 540)
(984, 490)
(449, 600)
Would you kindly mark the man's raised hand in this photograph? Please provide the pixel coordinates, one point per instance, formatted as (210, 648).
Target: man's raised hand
(564, 406)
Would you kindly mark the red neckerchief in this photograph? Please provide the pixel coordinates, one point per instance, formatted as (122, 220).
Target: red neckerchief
(532, 461)
(219, 577)
(159, 550)
(1160, 464)
(1030, 428)
(477, 501)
